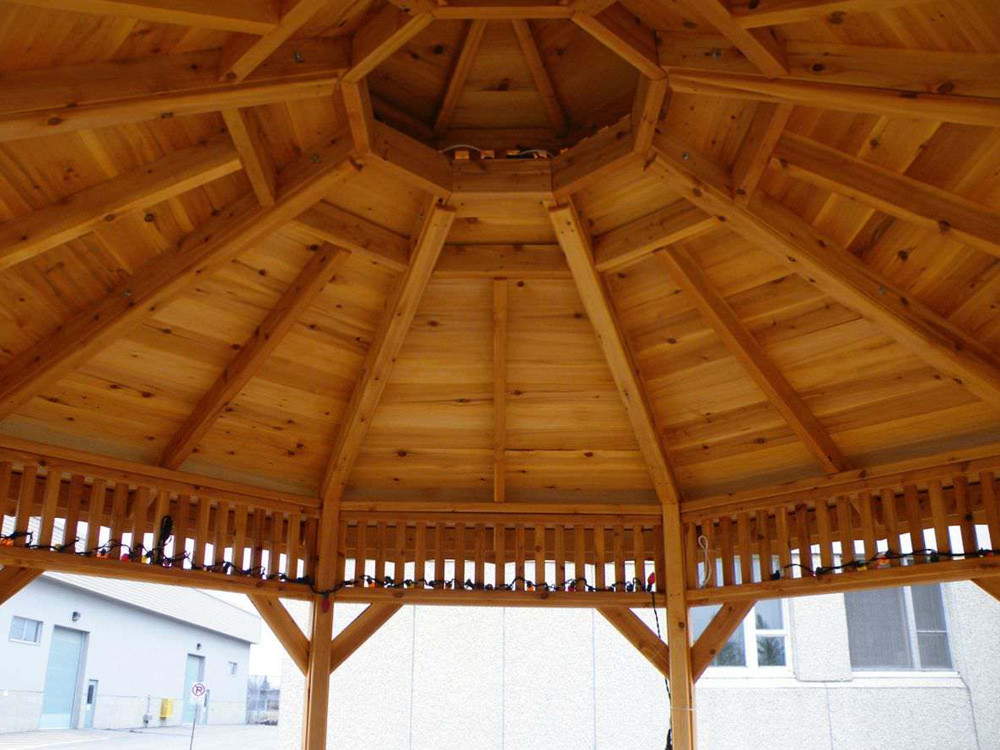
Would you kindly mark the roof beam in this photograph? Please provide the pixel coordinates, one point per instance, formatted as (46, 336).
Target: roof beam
(617, 30)
(411, 161)
(914, 201)
(752, 15)
(360, 629)
(500, 10)
(966, 110)
(327, 223)
(288, 633)
(459, 75)
(360, 115)
(507, 261)
(630, 243)
(245, 53)
(31, 235)
(636, 632)
(386, 344)
(761, 47)
(727, 324)
(543, 82)
(229, 233)
(376, 40)
(758, 144)
(14, 579)
(576, 245)
(837, 272)
(714, 637)
(245, 16)
(278, 323)
(591, 159)
(97, 95)
(650, 96)
(244, 129)
(503, 178)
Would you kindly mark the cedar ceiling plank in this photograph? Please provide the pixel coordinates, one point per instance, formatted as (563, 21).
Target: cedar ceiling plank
(914, 201)
(576, 245)
(635, 45)
(386, 344)
(761, 47)
(965, 110)
(627, 244)
(244, 129)
(839, 273)
(714, 308)
(244, 16)
(177, 172)
(278, 323)
(164, 277)
(381, 36)
(543, 82)
(245, 53)
(459, 75)
(752, 15)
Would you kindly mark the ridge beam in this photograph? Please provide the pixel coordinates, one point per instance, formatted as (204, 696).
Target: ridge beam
(837, 272)
(920, 203)
(34, 233)
(171, 273)
(279, 322)
(751, 355)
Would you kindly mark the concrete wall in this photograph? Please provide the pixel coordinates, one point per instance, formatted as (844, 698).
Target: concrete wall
(521, 679)
(136, 655)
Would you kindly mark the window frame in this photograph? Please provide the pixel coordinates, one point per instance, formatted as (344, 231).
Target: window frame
(38, 631)
(751, 666)
(233, 668)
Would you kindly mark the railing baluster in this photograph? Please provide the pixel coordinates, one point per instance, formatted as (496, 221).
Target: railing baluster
(340, 568)
(499, 554)
(844, 528)
(140, 518)
(560, 556)
(380, 550)
(915, 521)
(746, 554)
(726, 547)
(25, 501)
(618, 540)
(360, 554)
(161, 511)
(50, 498)
(691, 554)
(74, 503)
(867, 525)
(784, 542)
(825, 534)
(294, 544)
(420, 554)
(764, 545)
(221, 535)
(201, 532)
(600, 553)
(312, 545)
(119, 511)
(459, 555)
(966, 521)
(240, 537)
(440, 554)
(277, 537)
(480, 554)
(639, 551)
(519, 554)
(806, 561)
(580, 557)
(539, 543)
(180, 528)
(890, 516)
(712, 573)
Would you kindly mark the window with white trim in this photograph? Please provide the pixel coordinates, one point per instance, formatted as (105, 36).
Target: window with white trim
(898, 629)
(23, 630)
(233, 668)
(759, 643)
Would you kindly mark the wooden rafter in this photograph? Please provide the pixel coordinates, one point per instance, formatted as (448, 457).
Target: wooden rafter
(459, 75)
(499, 388)
(385, 346)
(245, 16)
(243, 54)
(761, 47)
(177, 172)
(966, 110)
(938, 210)
(381, 36)
(650, 96)
(278, 323)
(636, 632)
(164, 277)
(714, 637)
(576, 244)
(361, 628)
(758, 144)
(627, 244)
(245, 130)
(290, 635)
(98, 95)
(327, 223)
(741, 342)
(751, 15)
(411, 161)
(14, 579)
(617, 30)
(317, 689)
(360, 116)
(543, 82)
(843, 276)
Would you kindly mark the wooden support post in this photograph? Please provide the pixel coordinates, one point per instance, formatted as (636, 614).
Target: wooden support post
(13, 579)
(636, 632)
(318, 676)
(678, 633)
(499, 387)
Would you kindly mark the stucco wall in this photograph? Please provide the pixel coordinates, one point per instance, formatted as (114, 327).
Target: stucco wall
(520, 679)
(134, 654)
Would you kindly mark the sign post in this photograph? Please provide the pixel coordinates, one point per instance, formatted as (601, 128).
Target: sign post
(198, 692)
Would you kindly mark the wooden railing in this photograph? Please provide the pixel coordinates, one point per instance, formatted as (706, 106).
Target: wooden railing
(795, 540)
(577, 555)
(48, 510)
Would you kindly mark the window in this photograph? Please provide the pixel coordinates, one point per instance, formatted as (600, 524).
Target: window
(761, 641)
(898, 629)
(233, 667)
(24, 630)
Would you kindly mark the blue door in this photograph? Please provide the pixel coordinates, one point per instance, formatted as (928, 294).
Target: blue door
(195, 672)
(62, 679)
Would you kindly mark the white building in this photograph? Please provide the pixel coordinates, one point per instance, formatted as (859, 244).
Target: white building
(102, 653)
(893, 669)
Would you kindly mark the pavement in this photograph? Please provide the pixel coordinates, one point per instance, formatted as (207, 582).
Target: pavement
(170, 738)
